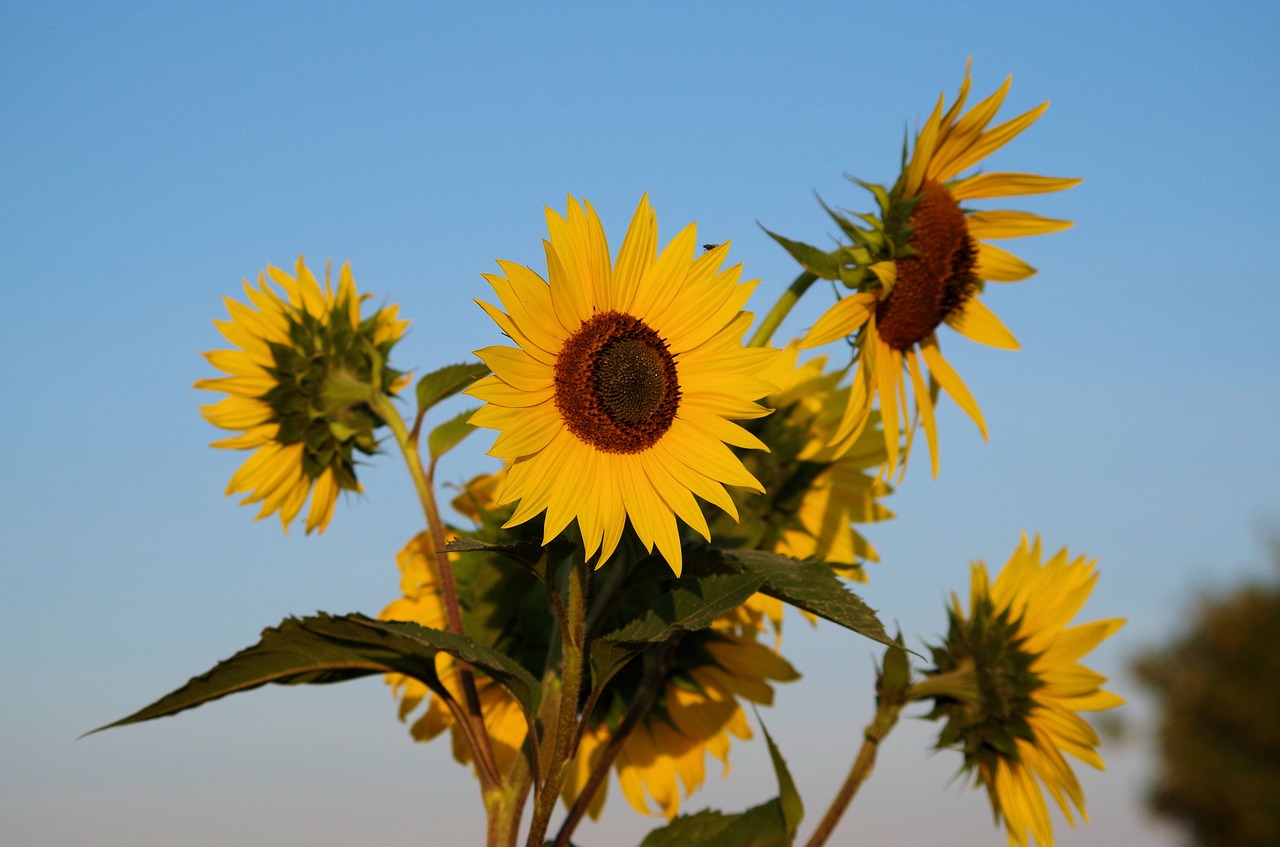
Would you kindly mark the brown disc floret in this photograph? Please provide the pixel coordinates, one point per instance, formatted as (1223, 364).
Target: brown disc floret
(616, 384)
(938, 279)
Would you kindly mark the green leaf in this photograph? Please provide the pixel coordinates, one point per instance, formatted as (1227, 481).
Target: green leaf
(541, 561)
(895, 673)
(691, 606)
(813, 587)
(504, 670)
(789, 802)
(812, 259)
(771, 824)
(759, 826)
(325, 649)
(449, 434)
(446, 382)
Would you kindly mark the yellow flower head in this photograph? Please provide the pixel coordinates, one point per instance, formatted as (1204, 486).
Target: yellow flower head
(925, 262)
(616, 403)
(695, 714)
(1016, 641)
(304, 356)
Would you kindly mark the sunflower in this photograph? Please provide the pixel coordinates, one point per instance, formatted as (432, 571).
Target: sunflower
(1031, 687)
(925, 262)
(422, 602)
(615, 404)
(696, 713)
(304, 355)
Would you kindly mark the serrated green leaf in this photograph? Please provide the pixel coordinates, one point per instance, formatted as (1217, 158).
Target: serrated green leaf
(541, 561)
(691, 606)
(813, 587)
(449, 434)
(327, 649)
(446, 382)
(816, 261)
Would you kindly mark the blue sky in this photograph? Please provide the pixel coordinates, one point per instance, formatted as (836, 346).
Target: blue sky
(156, 154)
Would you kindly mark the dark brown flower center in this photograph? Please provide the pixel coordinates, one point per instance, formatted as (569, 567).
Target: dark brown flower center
(938, 279)
(616, 384)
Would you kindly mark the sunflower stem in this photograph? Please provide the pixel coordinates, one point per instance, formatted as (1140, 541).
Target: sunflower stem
(600, 771)
(382, 405)
(780, 309)
(886, 717)
(573, 646)
(504, 806)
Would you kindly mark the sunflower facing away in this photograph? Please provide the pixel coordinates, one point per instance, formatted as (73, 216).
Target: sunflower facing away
(616, 403)
(301, 350)
(1027, 661)
(925, 262)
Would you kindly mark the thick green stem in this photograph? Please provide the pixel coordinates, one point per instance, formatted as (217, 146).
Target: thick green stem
(573, 645)
(886, 718)
(780, 309)
(638, 709)
(385, 409)
(504, 807)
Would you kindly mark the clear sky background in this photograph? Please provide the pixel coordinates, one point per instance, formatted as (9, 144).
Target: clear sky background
(153, 155)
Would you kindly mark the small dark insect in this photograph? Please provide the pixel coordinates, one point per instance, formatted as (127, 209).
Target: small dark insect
(709, 247)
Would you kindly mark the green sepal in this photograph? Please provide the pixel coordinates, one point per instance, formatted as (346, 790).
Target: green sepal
(881, 194)
(771, 824)
(449, 434)
(818, 262)
(692, 605)
(325, 649)
(446, 382)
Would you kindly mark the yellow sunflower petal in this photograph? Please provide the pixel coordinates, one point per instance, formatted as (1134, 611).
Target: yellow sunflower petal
(991, 185)
(1006, 224)
(997, 265)
(976, 322)
(842, 319)
(951, 382)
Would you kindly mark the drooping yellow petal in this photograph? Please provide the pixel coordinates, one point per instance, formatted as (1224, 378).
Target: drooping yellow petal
(844, 318)
(951, 382)
(976, 322)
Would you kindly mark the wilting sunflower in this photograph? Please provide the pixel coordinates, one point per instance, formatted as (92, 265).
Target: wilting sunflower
(924, 262)
(696, 712)
(615, 404)
(422, 602)
(1026, 659)
(304, 355)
